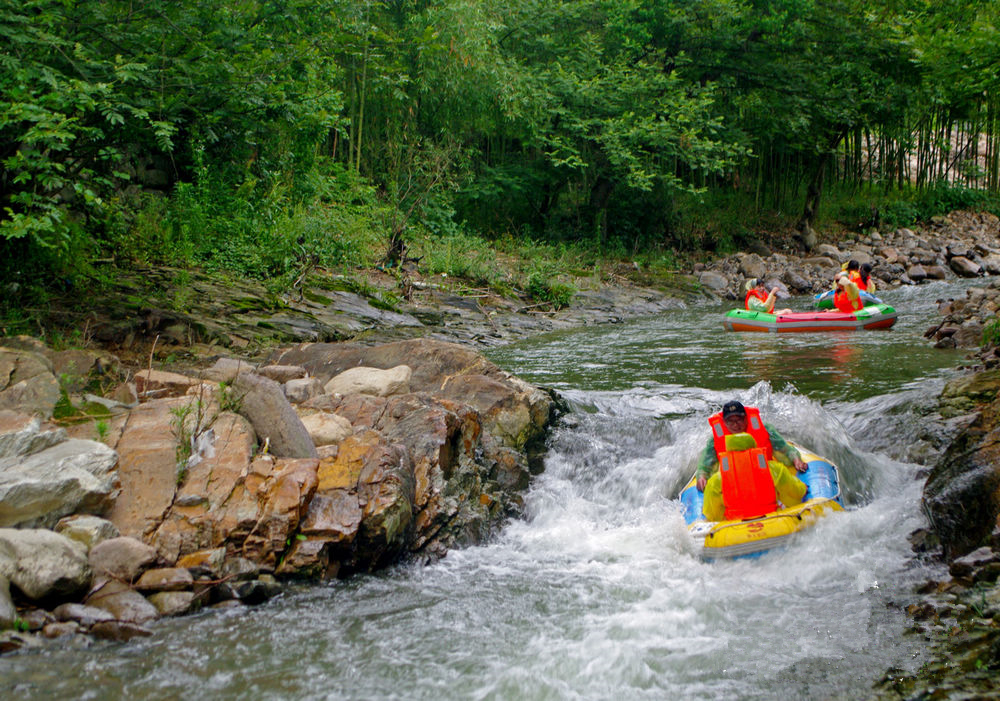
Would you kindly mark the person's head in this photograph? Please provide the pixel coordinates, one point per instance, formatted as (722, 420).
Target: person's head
(853, 265)
(754, 283)
(841, 275)
(866, 271)
(734, 415)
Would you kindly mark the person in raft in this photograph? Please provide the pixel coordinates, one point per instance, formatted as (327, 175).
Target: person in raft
(864, 281)
(758, 299)
(853, 269)
(736, 429)
(847, 297)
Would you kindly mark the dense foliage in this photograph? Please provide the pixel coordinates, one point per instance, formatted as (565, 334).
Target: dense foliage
(261, 137)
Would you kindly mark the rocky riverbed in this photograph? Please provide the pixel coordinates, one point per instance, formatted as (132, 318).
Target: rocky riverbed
(209, 441)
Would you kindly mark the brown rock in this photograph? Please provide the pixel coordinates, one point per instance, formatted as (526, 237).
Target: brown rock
(282, 373)
(84, 615)
(213, 500)
(165, 579)
(176, 603)
(285, 499)
(160, 384)
(335, 516)
(120, 631)
(147, 467)
(432, 361)
(27, 383)
(58, 630)
(309, 557)
(121, 558)
(209, 560)
(122, 602)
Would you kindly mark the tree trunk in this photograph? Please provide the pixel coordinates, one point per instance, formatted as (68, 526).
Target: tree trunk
(814, 193)
(600, 193)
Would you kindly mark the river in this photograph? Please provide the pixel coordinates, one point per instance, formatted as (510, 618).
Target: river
(597, 593)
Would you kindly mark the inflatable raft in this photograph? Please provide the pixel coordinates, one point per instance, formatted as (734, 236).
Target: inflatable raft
(876, 316)
(752, 537)
(824, 300)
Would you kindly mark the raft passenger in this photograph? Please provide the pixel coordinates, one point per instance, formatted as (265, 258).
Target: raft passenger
(780, 455)
(758, 299)
(847, 297)
(864, 281)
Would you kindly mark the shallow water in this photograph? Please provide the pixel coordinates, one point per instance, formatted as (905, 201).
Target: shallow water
(596, 593)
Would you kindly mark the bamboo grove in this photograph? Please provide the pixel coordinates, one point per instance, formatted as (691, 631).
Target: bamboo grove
(239, 133)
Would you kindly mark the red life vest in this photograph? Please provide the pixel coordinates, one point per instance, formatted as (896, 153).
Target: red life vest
(842, 302)
(747, 486)
(862, 284)
(755, 427)
(754, 293)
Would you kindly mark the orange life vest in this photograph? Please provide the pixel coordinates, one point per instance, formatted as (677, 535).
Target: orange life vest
(747, 486)
(862, 284)
(755, 427)
(842, 302)
(754, 293)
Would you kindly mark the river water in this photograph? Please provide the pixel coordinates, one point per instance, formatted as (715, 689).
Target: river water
(597, 593)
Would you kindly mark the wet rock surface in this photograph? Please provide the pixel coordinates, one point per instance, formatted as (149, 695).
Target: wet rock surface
(200, 493)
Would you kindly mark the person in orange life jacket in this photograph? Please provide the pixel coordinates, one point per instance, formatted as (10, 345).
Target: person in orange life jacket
(853, 269)
(847, 297)
(758, 299)
(735, 418)
(864, 281)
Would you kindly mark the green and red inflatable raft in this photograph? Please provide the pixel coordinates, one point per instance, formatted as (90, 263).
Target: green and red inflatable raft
(874, 316)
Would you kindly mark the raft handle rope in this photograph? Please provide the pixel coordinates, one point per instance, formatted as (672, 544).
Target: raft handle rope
(797, 515)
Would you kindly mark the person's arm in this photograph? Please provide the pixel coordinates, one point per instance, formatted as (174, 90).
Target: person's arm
(771, 299)
(850, 288)
(780, 445)
(756, 304)
(707, 464)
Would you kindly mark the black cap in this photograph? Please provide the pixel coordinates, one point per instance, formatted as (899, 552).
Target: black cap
(733, 407)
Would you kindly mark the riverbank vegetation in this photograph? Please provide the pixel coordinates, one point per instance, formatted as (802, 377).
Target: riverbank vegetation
(500, 142)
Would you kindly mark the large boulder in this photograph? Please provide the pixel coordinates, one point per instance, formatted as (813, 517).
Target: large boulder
(147, 447)
(121, 558)
(45, 476)
(325, 428)
(123, 602)
(263, 402)
(513, 411)
(713, 280)
(466, 481)
(87, 529)
(233, 499)
(27, 381)
(964, 267)
(364, 380)
(43, 565)
(362, 512)
(962, 493)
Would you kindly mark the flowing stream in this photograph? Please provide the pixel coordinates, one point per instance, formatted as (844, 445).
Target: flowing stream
(596, 593)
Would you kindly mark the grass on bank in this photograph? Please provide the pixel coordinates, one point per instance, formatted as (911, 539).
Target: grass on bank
(343, 229)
